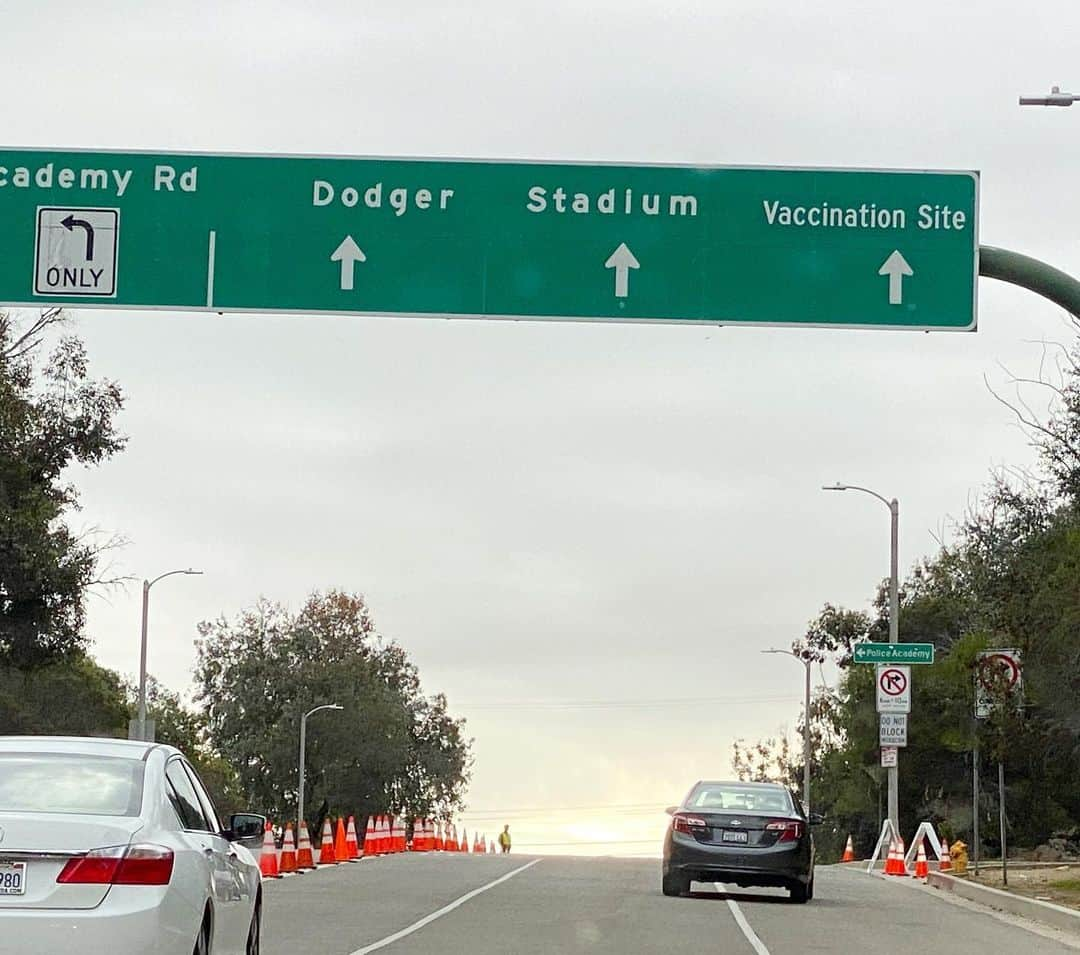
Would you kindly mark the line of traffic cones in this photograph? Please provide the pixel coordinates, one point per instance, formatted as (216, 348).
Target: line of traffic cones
(339, 842)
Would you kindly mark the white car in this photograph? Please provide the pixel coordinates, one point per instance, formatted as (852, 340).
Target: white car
(114, 846)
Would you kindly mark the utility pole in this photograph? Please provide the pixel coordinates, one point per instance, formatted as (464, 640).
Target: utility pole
(139, 730)
(894, 618)
(806, 728)
(303, 758)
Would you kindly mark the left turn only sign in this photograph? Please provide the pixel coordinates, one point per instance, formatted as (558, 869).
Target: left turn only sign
(75, 251)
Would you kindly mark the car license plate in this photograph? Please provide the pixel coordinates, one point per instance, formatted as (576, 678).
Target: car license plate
(12, 878)
(734, 836)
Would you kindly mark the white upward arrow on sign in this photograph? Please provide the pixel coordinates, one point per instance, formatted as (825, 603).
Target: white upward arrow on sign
(348, 254)
(896, 267)
(622, 260)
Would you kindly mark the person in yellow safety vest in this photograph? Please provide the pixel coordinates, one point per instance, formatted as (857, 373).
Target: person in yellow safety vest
(504, 839)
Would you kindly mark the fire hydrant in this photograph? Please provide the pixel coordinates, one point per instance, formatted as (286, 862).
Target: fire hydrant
(958, 855)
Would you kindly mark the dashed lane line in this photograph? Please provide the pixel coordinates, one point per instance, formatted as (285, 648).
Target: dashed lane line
(428, 919)
(751, 936)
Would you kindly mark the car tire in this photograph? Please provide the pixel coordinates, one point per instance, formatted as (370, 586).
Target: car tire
(800, 892)
(202, 940)
(674, 884)
(254, 939)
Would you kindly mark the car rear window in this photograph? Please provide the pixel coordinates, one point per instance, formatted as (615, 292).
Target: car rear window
(68, 783)
(726, 796)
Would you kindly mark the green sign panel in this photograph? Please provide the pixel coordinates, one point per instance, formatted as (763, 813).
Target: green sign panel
(851, 248)
(899, 653)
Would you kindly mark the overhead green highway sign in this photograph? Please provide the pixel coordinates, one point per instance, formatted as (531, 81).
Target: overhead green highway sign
(899, 653)
(484, 239)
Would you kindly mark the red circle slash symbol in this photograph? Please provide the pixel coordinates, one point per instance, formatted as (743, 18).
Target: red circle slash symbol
(893, 682)
(998, 664)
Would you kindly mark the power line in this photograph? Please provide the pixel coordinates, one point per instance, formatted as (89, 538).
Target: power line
(620, 704)
(625, 805)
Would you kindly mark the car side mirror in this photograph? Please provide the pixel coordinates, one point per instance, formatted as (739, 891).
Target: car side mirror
(815, 818)
(671, 810)
(245, 825)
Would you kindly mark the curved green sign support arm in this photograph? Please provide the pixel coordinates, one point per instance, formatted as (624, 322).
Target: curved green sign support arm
(1043, 279)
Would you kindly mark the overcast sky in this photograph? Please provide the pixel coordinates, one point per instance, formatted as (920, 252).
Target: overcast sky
(557, 512)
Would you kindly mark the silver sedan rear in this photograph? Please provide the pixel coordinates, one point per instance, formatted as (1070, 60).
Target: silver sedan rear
(114, 847)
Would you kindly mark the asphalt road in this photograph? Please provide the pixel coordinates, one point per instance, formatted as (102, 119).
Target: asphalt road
(490, 905)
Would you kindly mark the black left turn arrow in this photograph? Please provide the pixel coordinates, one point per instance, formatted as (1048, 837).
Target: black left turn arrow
(70, 223)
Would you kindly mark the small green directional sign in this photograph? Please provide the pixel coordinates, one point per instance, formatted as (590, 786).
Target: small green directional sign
(482, 239)
(898, 653)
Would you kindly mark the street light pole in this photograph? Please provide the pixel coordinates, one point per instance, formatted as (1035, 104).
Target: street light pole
(894, 615)
(806, 728)
(147, 584)
(303, 747)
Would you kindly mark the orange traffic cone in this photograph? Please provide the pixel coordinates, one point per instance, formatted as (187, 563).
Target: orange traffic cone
(429, 832)
(341, 848)
(922, 870)
(326, 846)
(849, 852)
(483, 843)
(463, 845)
(288, 851)
(451, 838)
(350, 840)
(944, 860)
(419, 836)
(395, 825)
(369, 837)
(304, 858)
(268, 864)
(890, 859)
(387, 841)
(895, 863)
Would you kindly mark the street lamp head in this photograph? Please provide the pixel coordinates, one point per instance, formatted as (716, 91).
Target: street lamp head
(834, 487)
(1054, 98)
(335, 706)
(192, 572)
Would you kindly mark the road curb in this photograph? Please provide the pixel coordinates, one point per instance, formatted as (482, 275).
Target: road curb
(1046, 912)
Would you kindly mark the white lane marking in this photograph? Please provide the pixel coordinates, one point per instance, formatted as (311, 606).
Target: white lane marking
(210, 255)
(751, 936)
(416, 926)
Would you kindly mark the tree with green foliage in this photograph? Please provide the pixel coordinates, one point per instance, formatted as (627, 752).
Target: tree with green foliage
(391, 748)
(1009, 577)
(73, 696)
(52, 416)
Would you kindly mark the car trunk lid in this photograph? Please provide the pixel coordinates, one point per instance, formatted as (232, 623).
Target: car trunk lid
(35, 847)
(735, 829)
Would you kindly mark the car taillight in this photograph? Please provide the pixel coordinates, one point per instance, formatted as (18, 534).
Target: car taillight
(120, 865)
(684, 823)
(789, 829)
